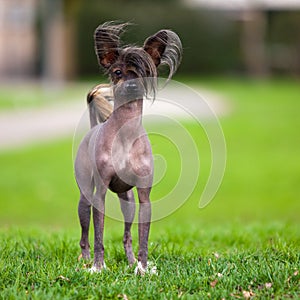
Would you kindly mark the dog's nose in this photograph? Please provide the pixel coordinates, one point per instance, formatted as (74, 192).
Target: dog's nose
(131, 86)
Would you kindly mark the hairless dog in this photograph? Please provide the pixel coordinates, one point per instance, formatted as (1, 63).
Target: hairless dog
(116, 153)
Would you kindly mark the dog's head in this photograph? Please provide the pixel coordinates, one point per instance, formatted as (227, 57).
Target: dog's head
(135, 68)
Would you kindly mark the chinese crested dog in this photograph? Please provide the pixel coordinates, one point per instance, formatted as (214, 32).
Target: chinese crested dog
(116, 153)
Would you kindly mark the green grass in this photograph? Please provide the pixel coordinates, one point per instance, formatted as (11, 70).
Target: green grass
(249, 234)
(36, 94)
(214, 262)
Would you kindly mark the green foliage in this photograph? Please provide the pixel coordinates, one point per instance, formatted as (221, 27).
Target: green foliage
(210, 39)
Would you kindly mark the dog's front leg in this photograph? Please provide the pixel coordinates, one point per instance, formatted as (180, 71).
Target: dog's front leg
(128, 209)
(84, 212)
(144, 224)
(98, 218)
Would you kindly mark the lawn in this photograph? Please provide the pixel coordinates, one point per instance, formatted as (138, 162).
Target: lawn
(18, 95)
(230, 262)
(244, 244)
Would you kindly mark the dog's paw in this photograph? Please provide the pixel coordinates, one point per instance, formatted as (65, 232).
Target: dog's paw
(150, 269)
(95, 269)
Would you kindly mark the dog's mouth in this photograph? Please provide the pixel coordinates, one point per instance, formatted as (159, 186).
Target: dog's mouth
(129, 90)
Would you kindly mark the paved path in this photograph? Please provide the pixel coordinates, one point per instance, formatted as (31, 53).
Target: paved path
(23, 127)
(27, 126)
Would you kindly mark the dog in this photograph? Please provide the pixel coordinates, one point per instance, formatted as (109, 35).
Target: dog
(116, 153)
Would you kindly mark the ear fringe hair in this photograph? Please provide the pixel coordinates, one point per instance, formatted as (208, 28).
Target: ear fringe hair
(173, 53)
(107, 37)
(147, 72)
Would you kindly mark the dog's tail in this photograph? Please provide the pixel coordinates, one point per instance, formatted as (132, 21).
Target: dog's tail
(99, 102)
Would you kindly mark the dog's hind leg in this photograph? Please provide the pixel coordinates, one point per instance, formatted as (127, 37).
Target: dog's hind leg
(84, 178)
(144, 224)
(128, 209)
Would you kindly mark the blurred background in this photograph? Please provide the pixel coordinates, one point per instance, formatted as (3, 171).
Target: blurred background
(53, 39)
(244, 51)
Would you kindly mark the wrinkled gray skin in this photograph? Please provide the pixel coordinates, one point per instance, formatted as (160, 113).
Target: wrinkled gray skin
(116, 154)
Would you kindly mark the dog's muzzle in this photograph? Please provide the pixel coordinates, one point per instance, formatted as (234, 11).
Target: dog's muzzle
(129, 90)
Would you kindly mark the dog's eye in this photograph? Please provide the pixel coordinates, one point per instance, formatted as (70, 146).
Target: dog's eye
(118, 73)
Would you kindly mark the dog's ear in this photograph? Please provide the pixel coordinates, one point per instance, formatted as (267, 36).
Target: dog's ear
(107, 42)
(165, 49)
(155, 46)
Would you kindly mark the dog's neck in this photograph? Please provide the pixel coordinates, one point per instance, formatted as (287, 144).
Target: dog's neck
(128, 111)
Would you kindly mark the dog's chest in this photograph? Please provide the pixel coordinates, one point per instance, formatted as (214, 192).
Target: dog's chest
(127, 157)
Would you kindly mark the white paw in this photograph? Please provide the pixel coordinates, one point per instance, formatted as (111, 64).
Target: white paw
(94, 269)
(150, 269)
